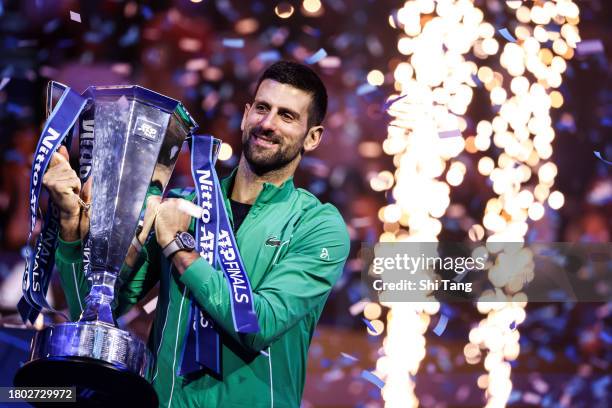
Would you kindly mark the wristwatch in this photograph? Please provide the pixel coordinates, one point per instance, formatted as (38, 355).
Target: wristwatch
(183, 241)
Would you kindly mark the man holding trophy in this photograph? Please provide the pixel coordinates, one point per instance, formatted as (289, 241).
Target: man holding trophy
(244, 266)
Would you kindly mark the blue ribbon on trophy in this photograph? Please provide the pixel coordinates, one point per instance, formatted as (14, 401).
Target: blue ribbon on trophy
(86, 141)
(216, 243)
(39, 263)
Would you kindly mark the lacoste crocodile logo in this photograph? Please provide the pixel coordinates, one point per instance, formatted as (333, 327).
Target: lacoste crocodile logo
(273, 241)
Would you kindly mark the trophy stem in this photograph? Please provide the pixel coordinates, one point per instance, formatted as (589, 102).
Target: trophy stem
(98, 304)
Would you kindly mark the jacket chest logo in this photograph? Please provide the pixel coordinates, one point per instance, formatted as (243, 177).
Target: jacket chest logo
(273, 241)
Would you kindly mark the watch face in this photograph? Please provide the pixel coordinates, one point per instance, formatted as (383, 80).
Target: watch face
(187, 240)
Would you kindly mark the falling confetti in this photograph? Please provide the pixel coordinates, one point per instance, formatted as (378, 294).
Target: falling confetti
(316, 57)
(130, 37)
(449, 133)
(368, 376)
(269, 56)
(369, 324)
(460, 276)
(390, 102)
(146, 12)
(598, 155)
(512, 325)
(441, 326)
(4, 82)
(588, 47)
(476, 80)
(365, 89)
(150, 306)
(506, 34)
(233, 42)
(349, 358)
(75, 16)
(358, 307)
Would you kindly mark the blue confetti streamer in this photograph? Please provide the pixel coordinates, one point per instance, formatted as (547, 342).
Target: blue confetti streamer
(460, 276)
(588, 47)
(4, 82)
(146, 12)
(395, 18)
(316, 57)
(445, 134)
(570, 353)
(512, 325)
(348, 358)
(368, 376)
(606, 336)
(269, 56)
(598, 155)
(600, 387)
(130, 37)
(365, 89)
(441, 326)
(476, 80)
(390, 102)
(51, 26)
(369, 324)
(225, 7)
(546, 354)
(506, 34)
(233, 42)
(514, 397)
(311, 31)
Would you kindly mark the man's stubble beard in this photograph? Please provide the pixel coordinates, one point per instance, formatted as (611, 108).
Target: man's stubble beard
(261, 164)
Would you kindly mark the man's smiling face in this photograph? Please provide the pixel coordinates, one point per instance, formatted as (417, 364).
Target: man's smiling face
(275, 126)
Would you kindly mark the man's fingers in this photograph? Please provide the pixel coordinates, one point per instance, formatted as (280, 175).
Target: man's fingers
(56, 159)
(153, 203)
(64, 153)
(74, 184)
(86, 190)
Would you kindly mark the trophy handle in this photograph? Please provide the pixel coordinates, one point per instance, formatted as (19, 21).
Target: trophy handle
(54, 92)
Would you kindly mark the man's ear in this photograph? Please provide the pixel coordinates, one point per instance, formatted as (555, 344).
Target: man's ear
(244, 116)
(313, 138)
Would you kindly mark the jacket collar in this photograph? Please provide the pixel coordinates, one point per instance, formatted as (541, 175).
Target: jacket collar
(269, 193)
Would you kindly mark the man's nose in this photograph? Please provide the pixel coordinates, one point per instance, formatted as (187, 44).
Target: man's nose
(268, 121)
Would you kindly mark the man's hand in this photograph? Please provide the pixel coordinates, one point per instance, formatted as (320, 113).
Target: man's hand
(64, 186)
(169, 221)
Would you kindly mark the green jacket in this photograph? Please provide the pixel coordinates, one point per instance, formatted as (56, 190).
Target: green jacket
(290, 283)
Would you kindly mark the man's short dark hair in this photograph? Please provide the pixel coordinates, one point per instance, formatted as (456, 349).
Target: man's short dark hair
(303, 78)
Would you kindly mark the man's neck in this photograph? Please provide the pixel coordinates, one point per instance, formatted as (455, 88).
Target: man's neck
(248, 185)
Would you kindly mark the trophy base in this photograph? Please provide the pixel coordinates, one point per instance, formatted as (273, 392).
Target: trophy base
(98, 384)
(107, 365)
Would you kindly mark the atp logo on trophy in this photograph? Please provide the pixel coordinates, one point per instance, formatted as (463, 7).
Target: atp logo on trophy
(147, 129)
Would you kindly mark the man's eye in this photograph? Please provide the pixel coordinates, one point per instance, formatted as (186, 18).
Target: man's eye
(287, 116)
(260, 108)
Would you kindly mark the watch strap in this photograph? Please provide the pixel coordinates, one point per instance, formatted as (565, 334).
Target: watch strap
(136, 244)
(171, 248)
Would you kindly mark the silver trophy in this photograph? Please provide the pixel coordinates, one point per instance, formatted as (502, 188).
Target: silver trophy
(137, 136)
